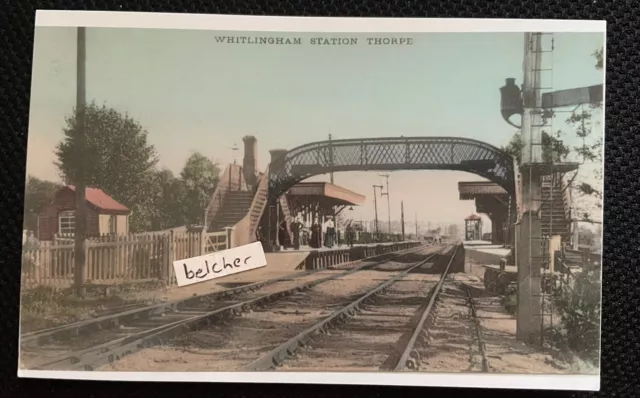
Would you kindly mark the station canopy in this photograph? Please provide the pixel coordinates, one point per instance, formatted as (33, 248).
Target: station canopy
(324, 193)
(473, 189)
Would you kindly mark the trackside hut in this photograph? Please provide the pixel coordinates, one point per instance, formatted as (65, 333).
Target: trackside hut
(104, 215)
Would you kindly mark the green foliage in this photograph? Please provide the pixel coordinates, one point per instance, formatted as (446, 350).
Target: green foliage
(168, 201)
(199, 177)
(120, 161)
(577, 301)
(599, 56)
(37, 194)
(117, 157)
(514, 147)
(554, 150)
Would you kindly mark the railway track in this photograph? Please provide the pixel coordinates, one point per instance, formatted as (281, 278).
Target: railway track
(452, 336)
(477, 326)
(89, 344)
(378, 330)
(230, 346)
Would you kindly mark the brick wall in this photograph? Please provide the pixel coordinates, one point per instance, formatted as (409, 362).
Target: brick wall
(65, 200)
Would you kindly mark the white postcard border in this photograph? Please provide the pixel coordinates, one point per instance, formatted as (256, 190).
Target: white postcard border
(110, 19)
(461, 380)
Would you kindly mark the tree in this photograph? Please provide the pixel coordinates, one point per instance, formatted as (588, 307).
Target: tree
(37, 194)
(200, 177)
(577, 298)
(588, 185)
(587, 181)
(168, 199)
(452, 230)
(120, 161)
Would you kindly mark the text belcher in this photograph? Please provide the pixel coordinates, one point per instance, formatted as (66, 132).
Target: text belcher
(219, 264)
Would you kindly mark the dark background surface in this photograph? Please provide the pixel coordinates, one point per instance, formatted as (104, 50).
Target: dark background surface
(621, 327)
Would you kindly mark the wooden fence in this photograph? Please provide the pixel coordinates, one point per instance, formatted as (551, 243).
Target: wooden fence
(114, 260)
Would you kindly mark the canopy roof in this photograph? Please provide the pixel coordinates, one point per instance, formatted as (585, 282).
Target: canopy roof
(472, 189)
(323, 191)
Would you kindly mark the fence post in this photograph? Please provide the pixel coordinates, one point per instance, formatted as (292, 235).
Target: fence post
(169, 260)
(229, 231)
(85, 272)
(203, 241)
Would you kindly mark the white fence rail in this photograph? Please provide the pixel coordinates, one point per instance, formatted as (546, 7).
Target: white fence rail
(116, 259)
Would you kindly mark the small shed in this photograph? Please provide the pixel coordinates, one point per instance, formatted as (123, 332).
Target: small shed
(473, 227)
(105, 216)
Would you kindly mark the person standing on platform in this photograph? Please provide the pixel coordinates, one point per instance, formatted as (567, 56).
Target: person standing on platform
(349, 233)
(316, 235)
(331, 232)
(283, 235)
(296, 226)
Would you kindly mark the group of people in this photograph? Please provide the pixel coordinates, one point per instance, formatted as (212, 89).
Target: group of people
(291, 231)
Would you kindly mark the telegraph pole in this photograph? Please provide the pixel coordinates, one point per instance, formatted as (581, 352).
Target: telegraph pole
(529, 103)
(402, 218)
(375, 205)
(79, 177)
(529, 253)
(388, 200)
(416, 225)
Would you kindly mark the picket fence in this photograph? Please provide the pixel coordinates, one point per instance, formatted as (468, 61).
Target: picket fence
(112, 260)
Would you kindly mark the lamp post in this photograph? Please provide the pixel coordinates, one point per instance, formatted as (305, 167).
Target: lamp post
(388, 200)
(234, 150)
(375, 206)
(402, 218)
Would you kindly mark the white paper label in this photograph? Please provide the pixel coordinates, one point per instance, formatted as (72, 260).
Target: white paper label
(216, 265)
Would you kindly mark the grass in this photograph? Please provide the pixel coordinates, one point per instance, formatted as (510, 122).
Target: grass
(45, 307)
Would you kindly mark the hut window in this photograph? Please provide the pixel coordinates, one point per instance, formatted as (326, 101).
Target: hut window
(67, 220)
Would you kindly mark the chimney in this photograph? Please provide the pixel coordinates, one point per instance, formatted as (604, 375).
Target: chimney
(250, 160)
(277, 159)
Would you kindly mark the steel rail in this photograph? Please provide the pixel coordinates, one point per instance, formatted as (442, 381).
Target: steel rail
(477, 327)
(410, 356)
(286, 350)
(113, 320)
(94, 357)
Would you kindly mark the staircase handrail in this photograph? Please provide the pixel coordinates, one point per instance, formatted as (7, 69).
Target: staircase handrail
(567, 200)
(247, 227)
(231, 179)
(263, 187)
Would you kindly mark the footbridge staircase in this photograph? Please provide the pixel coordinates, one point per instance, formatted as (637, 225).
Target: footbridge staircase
(238, 205)
(556, 206)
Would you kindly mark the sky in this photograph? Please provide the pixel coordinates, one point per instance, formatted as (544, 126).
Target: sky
(193, 93)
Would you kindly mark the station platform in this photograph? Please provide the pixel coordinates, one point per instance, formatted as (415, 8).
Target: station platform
(289, 263)
(483, 252)
(308, 249)
(286, 260)
(310, 258)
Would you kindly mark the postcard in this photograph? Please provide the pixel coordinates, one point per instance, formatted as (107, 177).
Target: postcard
(314, 200)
